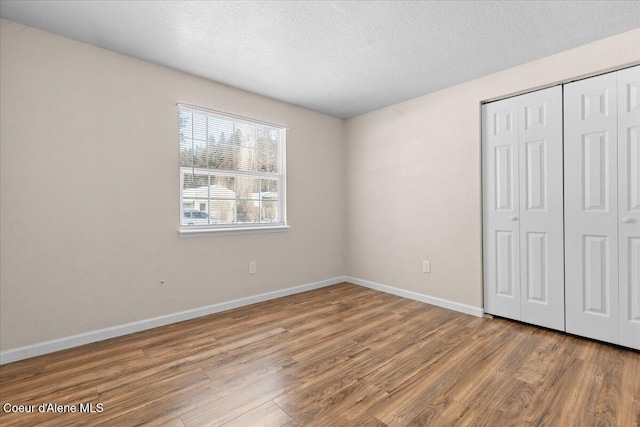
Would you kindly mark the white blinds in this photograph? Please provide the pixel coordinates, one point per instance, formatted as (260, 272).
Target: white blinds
(231, 170)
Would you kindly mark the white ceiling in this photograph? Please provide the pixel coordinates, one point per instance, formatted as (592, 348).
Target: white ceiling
(342, 58)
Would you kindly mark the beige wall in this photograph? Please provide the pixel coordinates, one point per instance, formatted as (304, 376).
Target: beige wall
(89, 188)
(413, 173)
(90, 193)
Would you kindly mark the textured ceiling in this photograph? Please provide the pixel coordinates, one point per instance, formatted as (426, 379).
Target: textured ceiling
(342, 58)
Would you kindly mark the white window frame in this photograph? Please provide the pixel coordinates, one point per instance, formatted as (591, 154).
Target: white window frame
(237, 228)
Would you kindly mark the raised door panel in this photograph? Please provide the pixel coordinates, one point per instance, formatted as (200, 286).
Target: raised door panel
(596, 284)
(505, 259)
(591, 230)
(503, 177)
(501, 208)
(536, 177)
(541, 208)
(596, 176)
(629, 204)
(537, 266)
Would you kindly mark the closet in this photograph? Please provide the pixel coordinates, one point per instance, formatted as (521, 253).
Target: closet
(561, 207)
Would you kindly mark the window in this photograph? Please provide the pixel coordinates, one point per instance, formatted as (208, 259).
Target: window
(232, 172)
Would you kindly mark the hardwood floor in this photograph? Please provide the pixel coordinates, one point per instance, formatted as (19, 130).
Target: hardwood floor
(337, 356)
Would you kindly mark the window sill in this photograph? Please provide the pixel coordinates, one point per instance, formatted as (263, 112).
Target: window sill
(224, 231)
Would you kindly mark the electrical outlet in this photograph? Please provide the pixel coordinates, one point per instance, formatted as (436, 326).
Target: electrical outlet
(426, 266)
(252, 267)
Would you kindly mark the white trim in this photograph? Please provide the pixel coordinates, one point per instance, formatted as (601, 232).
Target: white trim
(451, 305)
(187, 106)
(26, 352)
(282, 187)
(191, 232)
(34, 350)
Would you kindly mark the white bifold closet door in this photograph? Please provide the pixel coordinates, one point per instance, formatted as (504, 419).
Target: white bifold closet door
(523, 208)
(602, 207)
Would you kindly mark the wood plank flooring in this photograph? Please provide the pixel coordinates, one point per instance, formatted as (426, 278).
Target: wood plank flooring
(337, 356)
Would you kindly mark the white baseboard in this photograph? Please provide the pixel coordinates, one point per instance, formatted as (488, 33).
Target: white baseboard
(34, 350)
(451, 305)
(26, 352)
